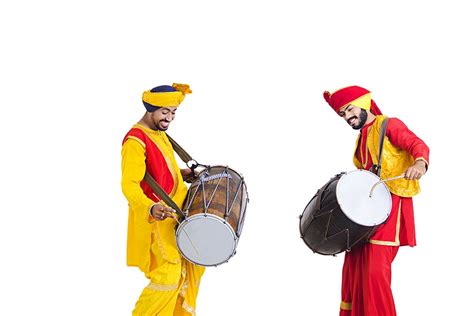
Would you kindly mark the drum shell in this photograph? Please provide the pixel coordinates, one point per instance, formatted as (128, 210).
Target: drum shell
(216, 196)
(325, 228)
(214, 215)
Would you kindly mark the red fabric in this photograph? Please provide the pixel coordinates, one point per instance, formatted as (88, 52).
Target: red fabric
(155, 165)
(374, 108)
(403, 212)
(366, 281)
(362, 152)
(400, 136)
(345, 95)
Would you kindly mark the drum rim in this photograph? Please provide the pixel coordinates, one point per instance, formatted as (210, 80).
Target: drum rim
(220, 166)
(212, 217)
(382, 184)
(198, 176)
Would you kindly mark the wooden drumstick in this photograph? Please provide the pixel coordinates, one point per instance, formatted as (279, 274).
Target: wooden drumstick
(382, 181)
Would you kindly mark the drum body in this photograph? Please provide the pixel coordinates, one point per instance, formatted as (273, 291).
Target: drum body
(342, 214)
(215, 212)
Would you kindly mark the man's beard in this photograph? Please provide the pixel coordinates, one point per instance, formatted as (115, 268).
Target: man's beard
(362, 119)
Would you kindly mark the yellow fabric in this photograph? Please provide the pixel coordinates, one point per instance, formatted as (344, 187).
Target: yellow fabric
(345, 306)
(173, 288)
(362, 102)
(151, 245)
(139, 228)
(184, 88)
(395, 161)
(161, 99)
(139, 225)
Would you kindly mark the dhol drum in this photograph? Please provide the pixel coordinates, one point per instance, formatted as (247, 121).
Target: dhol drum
(343, 214)
(215, 212)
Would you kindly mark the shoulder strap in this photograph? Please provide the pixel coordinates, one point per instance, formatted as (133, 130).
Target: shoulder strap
(383, 130)
(185, 157)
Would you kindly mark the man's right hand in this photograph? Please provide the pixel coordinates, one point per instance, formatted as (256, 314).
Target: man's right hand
(161, 212)
(416, 171)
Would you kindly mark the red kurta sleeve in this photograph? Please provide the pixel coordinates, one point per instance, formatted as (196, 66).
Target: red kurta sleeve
(400, 136)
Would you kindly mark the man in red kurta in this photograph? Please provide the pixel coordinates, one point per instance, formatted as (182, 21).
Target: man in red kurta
(366, 276)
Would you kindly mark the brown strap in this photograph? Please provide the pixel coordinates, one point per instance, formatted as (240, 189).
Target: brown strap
(185, 157)
(383, 130)
(162, 194)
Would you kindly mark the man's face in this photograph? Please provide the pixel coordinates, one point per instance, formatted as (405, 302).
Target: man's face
(354, 116)
(163, 117)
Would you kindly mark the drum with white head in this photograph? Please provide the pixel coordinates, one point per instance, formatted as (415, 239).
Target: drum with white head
(215, 212)
(345, 212)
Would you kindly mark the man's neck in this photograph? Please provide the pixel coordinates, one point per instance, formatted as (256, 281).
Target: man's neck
(146, 122)
(370, 118)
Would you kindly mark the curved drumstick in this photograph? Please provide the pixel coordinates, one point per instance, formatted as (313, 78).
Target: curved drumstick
(382, 181)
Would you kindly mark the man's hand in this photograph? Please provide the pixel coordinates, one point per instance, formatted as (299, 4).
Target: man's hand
(161, 212)
(416, 171)
(188, 175)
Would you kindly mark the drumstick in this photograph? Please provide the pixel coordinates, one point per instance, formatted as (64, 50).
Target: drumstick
(189, 238)
(382, 181)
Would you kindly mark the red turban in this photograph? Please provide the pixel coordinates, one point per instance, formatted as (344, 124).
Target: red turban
(351, 95)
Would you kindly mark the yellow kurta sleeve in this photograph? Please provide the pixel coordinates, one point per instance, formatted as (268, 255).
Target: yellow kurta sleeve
(133, 171)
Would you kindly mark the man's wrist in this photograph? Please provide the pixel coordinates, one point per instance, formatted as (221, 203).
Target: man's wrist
(150, 211)
(422, 162)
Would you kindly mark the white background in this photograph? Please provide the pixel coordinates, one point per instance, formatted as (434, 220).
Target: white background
(72, 74)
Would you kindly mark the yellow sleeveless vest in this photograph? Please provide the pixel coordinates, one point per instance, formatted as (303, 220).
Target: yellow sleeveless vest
(395, 161)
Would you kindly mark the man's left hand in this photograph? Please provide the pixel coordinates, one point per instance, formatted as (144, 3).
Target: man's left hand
(188, 175)
(416, 171)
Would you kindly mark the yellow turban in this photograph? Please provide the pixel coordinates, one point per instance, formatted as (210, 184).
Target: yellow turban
(163, 96)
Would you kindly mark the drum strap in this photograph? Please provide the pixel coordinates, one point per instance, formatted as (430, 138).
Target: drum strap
(162, 194)
(383, 130)
(185, 157)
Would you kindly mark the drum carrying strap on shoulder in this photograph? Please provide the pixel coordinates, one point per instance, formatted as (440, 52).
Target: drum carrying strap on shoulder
(383, 129)
(185, 157)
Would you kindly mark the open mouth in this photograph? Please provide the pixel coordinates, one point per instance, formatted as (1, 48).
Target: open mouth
(164, 124)
(351, 120)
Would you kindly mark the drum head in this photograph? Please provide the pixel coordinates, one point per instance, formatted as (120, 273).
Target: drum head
(352, 193)
(206, 239)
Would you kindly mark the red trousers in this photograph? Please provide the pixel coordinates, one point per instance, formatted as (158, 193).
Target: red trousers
(366, 279)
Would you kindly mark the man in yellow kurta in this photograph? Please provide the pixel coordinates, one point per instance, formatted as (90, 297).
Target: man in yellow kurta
(151, 243)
